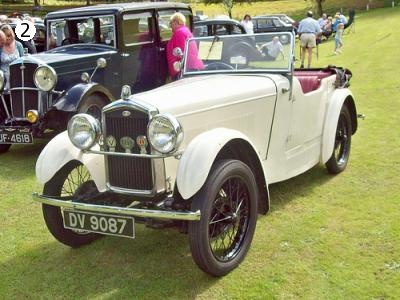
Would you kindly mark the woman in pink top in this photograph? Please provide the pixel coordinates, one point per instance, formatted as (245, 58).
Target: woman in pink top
(180, 34)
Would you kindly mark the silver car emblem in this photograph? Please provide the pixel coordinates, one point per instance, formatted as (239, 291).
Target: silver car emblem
(127, 143)
(126, 113)
(111, 143)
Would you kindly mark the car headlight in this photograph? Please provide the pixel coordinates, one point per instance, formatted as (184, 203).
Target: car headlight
(45, 78)
(165, 133)
(2, 80)
(83, 131)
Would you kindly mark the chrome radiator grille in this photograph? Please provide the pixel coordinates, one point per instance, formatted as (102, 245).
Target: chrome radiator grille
(22, 100)
(132, 173)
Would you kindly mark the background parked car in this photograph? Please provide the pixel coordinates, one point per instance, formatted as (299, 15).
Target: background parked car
(272, 24)
(212, 27)
(286, 19)
(46, 89)
(222, 26)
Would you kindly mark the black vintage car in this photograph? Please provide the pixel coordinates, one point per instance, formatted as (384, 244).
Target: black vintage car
(212, 27)
(272, 24)
(244, 46)
(91, 53)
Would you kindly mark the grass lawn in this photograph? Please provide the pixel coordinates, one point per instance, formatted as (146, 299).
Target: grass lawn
(335, 237)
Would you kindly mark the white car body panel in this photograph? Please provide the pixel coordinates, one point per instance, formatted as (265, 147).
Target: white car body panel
(59, 151)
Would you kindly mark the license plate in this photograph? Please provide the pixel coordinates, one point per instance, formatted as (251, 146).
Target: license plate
(15, 136)
(100, 223)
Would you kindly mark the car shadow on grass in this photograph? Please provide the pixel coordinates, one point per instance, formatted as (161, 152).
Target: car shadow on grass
(19, 162)
(284, 192)
(155, 265)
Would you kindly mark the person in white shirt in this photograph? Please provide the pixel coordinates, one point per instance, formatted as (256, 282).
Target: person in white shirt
(247, 24)
(272, 49)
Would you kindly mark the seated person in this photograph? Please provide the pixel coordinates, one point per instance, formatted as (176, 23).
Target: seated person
(272, 49)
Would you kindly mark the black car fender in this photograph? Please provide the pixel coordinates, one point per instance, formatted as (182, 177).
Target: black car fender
(70, 101)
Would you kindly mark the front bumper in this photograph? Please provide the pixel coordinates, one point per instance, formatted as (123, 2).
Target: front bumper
(137, 212)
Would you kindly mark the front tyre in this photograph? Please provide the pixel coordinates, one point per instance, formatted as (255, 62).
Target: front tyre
(341, 152)
(228, 204)
(74, 181)
(93, 105)
(4, 148)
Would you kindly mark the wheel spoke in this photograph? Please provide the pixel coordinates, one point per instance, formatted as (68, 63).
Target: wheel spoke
(229, 219)
(220, 220)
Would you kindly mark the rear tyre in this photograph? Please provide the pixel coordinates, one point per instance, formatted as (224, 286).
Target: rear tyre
(228, 204)
(72, 180)
(4, 148)
(341, 151)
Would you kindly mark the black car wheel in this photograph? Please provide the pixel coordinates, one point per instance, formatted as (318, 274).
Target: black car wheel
(93, 105)
(3, 147)
(228, 205)
(74, 181)
(341, 151)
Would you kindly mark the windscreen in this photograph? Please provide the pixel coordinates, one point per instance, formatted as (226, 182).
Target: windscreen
(266, 52)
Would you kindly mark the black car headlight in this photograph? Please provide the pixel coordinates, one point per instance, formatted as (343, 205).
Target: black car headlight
(45, 78)
(2, 80)
(165, 133)
(83, 131)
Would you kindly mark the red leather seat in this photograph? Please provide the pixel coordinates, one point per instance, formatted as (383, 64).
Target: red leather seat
(310, 80)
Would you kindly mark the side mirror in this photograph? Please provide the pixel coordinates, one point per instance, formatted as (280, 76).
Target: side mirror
(101, 63)
(177, 52)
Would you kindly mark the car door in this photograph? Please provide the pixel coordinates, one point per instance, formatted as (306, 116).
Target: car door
(306, 120)
(139, 50)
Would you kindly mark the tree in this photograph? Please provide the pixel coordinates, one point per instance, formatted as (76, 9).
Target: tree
(319, 6)
(228, 4)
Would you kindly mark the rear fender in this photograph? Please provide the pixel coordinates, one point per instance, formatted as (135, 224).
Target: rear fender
(71, 100)
(340, 97)
(59, 151)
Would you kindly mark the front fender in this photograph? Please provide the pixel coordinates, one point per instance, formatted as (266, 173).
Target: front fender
(71, 100)
(196, 162)
(331, 120)
(59, 151)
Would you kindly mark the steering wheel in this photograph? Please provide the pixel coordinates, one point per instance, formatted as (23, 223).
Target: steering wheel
(218, 65)
(70, 40)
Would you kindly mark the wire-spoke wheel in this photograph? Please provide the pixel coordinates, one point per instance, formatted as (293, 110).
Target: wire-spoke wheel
(72, 181)
(228, 205)
(341, 151)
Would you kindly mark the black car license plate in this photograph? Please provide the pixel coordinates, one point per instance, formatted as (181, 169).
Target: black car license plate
(15, 136)
(100, 223)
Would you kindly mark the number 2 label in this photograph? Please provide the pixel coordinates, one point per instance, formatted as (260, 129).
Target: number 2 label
(25, 30)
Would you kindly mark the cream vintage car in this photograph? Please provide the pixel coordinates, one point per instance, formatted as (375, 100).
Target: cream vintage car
(198, 153)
